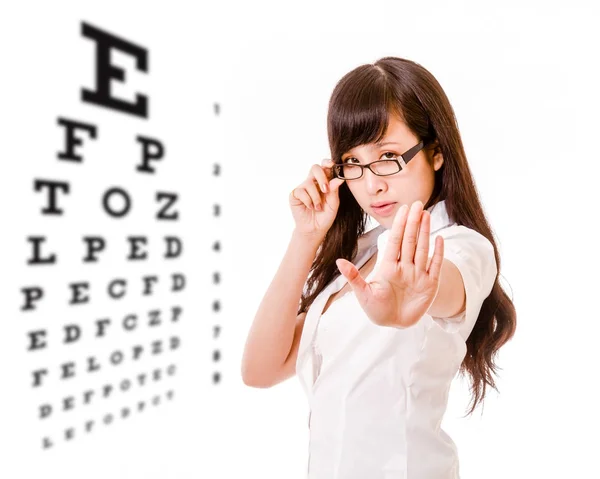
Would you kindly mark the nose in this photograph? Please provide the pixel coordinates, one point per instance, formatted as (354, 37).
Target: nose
(373, 182)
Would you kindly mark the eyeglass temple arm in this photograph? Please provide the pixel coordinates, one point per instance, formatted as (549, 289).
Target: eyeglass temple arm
(408, 155)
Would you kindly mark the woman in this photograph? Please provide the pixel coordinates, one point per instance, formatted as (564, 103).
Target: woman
(386, 318)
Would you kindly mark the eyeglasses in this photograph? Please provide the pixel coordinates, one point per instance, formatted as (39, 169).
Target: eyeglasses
(389, 166)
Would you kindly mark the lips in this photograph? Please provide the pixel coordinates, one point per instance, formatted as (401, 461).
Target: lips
(383, 203)
(386, 210)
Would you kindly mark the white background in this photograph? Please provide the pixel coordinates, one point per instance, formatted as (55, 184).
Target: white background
(523, 82)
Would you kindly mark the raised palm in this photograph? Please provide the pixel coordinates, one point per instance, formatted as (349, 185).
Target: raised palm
(404, 287)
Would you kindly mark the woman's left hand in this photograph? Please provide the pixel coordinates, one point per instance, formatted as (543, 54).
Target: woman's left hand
(405, 285)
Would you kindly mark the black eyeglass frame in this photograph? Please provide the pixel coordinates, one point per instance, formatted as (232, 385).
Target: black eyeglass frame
(402, 161)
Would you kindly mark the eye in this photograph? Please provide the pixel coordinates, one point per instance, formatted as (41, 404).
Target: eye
(351, 159)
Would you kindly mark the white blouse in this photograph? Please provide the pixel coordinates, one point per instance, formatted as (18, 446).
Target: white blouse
(377, 395)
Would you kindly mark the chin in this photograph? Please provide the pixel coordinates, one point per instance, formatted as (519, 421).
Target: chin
(386, 223)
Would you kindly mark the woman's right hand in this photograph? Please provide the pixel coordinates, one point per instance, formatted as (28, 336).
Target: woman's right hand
(307, 197)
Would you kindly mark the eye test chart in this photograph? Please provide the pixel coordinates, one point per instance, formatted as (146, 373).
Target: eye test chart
(111, 250)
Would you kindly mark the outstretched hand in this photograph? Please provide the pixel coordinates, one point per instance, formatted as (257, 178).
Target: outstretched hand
(405, 285)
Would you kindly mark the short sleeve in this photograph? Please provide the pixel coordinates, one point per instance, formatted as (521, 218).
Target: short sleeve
(473, 255)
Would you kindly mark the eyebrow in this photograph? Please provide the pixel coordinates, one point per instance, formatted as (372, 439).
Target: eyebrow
(380, 144)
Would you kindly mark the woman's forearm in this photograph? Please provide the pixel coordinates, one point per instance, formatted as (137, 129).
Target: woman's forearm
(272, 332)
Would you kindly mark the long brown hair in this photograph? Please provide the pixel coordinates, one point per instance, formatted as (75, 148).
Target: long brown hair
(358, 114)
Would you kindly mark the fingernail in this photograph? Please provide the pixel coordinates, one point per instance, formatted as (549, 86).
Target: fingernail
(324, 188)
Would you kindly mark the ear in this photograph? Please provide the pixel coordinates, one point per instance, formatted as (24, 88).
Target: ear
(437, 159)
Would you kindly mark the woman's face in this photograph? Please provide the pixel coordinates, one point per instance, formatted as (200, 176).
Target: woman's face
(412, 183)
